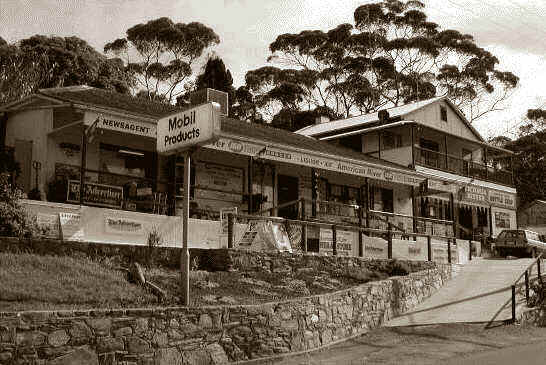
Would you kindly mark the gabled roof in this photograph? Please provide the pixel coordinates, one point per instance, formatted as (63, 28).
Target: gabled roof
(368, 119)
(286, 138)
(533, 203)
(100, 98)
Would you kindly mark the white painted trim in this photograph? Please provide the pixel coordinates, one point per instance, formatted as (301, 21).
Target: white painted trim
(462, 179)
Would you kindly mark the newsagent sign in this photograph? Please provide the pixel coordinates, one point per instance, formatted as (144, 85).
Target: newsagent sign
(193, 127)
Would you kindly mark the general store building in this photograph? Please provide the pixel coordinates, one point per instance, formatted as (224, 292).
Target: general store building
(129, 188)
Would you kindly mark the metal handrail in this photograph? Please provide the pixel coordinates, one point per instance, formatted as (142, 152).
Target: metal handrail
(525, 274)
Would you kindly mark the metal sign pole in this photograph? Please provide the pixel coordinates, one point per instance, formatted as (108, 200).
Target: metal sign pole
(185, 257)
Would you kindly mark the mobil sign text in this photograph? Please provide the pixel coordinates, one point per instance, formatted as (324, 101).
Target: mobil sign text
(193, 127)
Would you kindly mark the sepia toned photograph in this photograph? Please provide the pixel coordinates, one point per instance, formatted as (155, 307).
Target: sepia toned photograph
(272, 182)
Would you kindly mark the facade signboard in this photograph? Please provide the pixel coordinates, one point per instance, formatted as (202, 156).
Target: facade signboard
(120, 124)
(314, 161)
(96, 194)
(70, 224)
(192, 127)
(502, 199)
(212, 176)
(474, 193)
(123, 225)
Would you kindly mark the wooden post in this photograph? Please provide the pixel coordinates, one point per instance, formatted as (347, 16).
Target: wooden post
(314, 192)
(304, 237)
(360, 244)
(414, 211)
(185, 257)
(513, 303)
(539, 269)
(250, 183)
(389, 242)
(334, 240)
(527, 286)
(449, 251)
(453, 218)
(429, 247)
(469, 250)
(379, 144)
(230, 229)
(367, 201)
(83, 163)
(445, 142)
(412, 146)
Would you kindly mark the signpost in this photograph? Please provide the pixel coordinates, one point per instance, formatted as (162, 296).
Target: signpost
(184, 132)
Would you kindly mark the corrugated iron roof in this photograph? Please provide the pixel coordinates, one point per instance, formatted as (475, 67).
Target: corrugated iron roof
(363, 119)
(110, 100)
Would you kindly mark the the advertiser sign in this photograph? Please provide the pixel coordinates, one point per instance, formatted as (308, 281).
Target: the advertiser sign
(193, 127)
(96, 194)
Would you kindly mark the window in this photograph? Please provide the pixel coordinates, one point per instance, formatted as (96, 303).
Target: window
(381, 199)
(390, 140)
(443, 113)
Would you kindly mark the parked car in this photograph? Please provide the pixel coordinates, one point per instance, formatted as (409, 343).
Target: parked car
(519, 242)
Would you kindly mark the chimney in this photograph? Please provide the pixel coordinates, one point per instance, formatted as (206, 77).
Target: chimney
(322, 119)
(383, 116)
(205, 95)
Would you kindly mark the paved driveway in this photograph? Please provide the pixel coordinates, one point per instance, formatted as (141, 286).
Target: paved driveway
(479, 293)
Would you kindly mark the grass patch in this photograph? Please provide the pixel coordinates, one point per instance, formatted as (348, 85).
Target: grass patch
(34, 282)
(30, 281)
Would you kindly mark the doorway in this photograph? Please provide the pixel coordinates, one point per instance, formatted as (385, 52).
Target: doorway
(23, 155)
(288, 191)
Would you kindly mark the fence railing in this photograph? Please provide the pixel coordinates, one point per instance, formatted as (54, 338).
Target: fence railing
(525, 274)
(459, 166)
(334, 226)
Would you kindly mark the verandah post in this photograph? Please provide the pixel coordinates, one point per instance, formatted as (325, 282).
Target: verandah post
(449, 251)
(389, 242)
(429, 247)
(230, 229)
(334, 240)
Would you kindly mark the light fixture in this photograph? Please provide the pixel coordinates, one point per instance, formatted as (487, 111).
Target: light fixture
(133, 153)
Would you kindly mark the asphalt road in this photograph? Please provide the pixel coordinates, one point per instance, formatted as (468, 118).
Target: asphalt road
(531, 354)
(447, 344)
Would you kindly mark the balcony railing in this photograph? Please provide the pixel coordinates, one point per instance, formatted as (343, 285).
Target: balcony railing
(459, 166)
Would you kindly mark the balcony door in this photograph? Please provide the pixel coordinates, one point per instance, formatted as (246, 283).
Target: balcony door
(430, 152)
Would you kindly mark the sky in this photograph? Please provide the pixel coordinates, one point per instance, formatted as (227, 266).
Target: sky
(513, 30)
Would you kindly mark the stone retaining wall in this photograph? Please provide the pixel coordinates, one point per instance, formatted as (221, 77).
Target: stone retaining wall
(209, 335)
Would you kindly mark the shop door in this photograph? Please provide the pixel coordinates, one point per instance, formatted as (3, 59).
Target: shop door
(288, 192)
(23, 155)
(465, 222)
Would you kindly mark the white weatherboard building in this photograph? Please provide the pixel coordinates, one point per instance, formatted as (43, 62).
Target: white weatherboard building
(412, 168)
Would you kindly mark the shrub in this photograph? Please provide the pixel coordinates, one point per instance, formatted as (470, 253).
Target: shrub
(397, 268)
(15, 221)
(154, 240)
(538, 299)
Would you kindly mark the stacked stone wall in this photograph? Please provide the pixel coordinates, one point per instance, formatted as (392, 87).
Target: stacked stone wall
(213, 334)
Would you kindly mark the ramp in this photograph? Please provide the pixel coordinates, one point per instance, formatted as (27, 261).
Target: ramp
(481, 292)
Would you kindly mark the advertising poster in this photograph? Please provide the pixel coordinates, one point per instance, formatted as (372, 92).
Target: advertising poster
(71, 228)
(123, 225)
(344, 241)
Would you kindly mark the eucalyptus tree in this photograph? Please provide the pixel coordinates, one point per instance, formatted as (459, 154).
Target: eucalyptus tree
(160, 54)
(391, 55)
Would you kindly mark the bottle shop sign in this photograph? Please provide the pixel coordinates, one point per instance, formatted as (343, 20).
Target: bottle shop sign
(193, 127)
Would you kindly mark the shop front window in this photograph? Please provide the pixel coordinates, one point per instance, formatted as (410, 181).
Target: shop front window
(381, 199)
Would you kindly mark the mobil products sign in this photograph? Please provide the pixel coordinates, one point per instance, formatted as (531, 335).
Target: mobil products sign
(192, 127)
